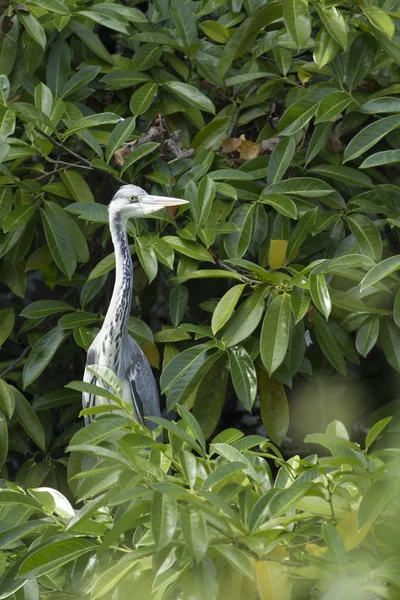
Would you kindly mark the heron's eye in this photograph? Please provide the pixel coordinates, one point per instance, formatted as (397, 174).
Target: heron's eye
(134, 198)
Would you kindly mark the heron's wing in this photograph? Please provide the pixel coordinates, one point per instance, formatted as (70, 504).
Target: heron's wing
(142, 385)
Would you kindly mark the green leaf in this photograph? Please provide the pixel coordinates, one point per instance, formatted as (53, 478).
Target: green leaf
(178, 302)
(99, 430)
(283, 153)
(334, 23)
(345, 174)
(282, 501)
(282, 204)
(79, 79)
(7, 402)
(108, 580)
(301, 186)
(210, 394)
(119, 135)
(369, 136)
(367, 235)
(328, 343)
(236, 243)
(142, 98)
(41, 354)
(300, 232)
(320, 294)
(18, 218)
(119, 79)
(7, 319)
(243, 375)
(188, 248)
(375, 431)
(33, 28)
(195, 532)
(54, 555)
(205, 198)
(104, 19)
(297, 20)
(191, 95)
(246, 33)
(3, 438)
(59, 242)
(381, 270)
(374, 502)
(178, 366)
(77, 186)
(138, 153)
(300, 302)
(95, 120)
(361, 58)
(386, 157)
(273, 406)
(225, 307)
(367, 335)
(147, 257)
(185, 24)
(44, 308)
(380, 19)
(211, 135)
(91, 40)
(275, 331)
(209, 274)
(390, 341)
(58, 66)
(246, 318)
(164, 516)
(77, 319)
(28, 419)
(239, 560)
(9, 48)
(325, 49)
(332, 105)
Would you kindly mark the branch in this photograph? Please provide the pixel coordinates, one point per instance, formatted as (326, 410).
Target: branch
(226, 267)
(15, 362)
(65, 148)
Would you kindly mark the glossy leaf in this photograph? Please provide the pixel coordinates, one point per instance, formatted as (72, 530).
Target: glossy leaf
(274, 338)
(243, 376)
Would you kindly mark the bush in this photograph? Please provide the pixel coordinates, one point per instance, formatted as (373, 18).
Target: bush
(278, 121)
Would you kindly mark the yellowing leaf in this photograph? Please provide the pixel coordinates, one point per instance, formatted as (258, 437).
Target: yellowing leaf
(348, 530)
(277, 253)
(152, 354)
(315, 550)
(272, 581)
(230, 144)
(248, 150)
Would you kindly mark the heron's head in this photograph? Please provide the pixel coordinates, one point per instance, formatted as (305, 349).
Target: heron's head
(132, 201)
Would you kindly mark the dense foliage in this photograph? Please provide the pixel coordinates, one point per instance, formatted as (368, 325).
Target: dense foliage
(278, 121)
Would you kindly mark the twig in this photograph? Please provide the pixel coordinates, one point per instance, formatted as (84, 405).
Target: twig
(68, 150)
(15, 362)
(49, 173)
(222, 265)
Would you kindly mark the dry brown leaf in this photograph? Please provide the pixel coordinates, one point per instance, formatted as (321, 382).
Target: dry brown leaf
(249, 150)
(121, 155)
(230, 144)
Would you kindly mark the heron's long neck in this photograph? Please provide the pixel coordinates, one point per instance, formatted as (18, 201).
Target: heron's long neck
(115, 324)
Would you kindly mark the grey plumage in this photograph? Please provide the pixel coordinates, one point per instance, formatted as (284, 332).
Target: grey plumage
(113, 347)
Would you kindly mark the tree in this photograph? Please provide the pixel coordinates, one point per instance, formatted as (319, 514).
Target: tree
(278, 121)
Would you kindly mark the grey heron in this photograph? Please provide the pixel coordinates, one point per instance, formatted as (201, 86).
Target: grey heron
(113, 347)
